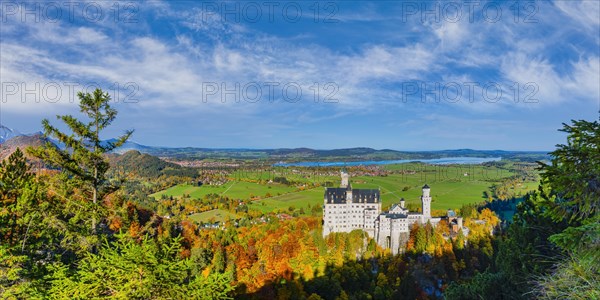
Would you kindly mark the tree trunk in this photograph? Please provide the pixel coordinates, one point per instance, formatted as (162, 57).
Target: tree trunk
(96, 142)
(94, 200)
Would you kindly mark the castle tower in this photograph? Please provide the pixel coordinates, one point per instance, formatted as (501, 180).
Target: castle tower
(426, 203)
(345, 178)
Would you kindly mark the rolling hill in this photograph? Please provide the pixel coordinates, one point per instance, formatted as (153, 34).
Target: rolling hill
(290, 154)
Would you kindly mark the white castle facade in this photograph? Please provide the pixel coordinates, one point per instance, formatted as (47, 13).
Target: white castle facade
(346, 209)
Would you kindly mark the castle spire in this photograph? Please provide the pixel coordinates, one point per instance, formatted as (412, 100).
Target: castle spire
(345, 179)
(426, 203)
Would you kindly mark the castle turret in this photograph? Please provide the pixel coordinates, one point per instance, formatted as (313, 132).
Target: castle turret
(402, 203)
(345, 177)
(426, 203)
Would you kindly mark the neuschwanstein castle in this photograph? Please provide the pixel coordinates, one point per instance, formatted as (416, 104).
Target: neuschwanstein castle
(346, 209)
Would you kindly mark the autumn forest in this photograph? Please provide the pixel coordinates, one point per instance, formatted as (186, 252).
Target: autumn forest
(77, 221)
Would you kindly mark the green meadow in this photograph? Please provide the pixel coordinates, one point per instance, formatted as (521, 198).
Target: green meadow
(445, 193)
(232, 189)
(296, 200)
(451, 186)
(215, 215)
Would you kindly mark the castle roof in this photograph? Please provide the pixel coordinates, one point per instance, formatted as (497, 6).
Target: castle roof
(397, 207)
(394, 216)
(365, 196)
(425, 186)
(338, 195)
(335, 195)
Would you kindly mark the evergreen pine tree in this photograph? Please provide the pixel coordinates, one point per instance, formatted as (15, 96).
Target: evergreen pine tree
(82, 158)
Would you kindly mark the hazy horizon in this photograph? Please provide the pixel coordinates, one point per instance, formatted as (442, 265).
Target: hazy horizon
(133, 140)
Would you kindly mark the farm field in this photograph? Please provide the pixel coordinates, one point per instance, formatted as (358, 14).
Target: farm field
(290, 173)
(215, 215)
(445, 193)
(451, 186)
(234, 189)
(297, 200)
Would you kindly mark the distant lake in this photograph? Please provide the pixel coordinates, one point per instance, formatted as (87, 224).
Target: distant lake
(434, 161)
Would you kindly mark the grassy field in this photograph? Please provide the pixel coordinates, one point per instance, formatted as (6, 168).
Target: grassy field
(445, 194)
(450, 194)
(234, 189)
(291, 173)
(213, 216)
(297, 200)
(451, 186)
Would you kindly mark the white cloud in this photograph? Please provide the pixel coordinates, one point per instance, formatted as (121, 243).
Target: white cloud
(520, 68)
(554, 88)
(452, 34)
(585, 13)
(61, 33)
(585, 79)
(382, 62)
(170, 73)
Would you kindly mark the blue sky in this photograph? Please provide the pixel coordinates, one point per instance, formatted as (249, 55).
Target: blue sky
(399, 75)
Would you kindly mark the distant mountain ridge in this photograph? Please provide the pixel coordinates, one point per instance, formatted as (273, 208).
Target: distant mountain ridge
(289, 154)
(7, 133)
(146, 165)
(128, 146)
(308, 154)
(22, 142)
